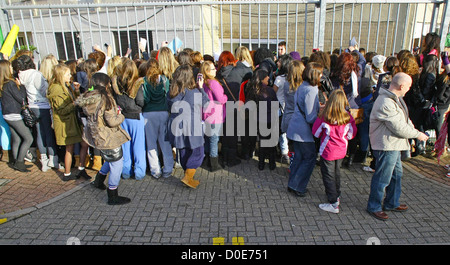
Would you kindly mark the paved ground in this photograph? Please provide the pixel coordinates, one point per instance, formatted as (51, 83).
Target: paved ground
(239, 205)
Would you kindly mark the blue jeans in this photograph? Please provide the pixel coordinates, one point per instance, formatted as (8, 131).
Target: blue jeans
(45, 135)
(134, 150)
(386, 179)
(115, 171)
(363, 127)
(212, 134)
(302, 165)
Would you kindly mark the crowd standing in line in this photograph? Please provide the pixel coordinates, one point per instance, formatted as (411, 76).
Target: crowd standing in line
(126, 117)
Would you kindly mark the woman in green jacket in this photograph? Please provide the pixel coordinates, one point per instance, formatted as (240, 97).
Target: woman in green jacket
(65, 123)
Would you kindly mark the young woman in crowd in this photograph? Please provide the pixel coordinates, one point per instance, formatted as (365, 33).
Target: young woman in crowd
(186, 100)
(299, 130)
(36, 87)
(214, 116)
(13, 96)
(129, 96)
(156, 114)
(65, 123)
(103, 132)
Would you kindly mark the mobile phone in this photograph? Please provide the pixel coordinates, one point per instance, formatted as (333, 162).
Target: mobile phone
(106, 45)
(199, 76)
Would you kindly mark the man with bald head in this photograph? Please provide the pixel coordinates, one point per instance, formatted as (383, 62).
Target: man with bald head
(389, 131)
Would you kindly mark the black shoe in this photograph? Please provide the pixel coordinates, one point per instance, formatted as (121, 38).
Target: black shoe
(214, 164)
(115, 199)
(297, 193)
(233, 159)
(99, 181)
(82, 173)
(20, 166)
(70, 177)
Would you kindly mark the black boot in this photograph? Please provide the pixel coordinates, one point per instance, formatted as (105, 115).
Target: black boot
(233, 159)
(20, 166)
(214, 164)
(261, 158)
(99, 181)
(115, 199)
(206, 161)
(272, 156)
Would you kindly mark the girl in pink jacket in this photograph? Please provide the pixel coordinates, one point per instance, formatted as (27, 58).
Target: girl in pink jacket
(335, 127)
(214, 115)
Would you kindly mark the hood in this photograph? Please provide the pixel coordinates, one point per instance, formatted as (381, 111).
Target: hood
(89, 101)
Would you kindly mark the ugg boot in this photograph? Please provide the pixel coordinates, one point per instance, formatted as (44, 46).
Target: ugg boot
(76, 161)
(115, 199)
(97, 165)
(99, 181)
(214, 163)
(188, 178)
(44, 163)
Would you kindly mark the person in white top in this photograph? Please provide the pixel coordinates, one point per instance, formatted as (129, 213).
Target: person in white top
(36, 86)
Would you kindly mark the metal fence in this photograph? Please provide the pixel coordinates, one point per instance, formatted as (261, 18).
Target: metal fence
(70, 30)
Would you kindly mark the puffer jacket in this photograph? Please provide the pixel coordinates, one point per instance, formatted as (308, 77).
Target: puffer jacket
(390, 127)
(103, 130)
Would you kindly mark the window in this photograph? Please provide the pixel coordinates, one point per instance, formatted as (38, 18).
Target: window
(67, 43)
(123, 38)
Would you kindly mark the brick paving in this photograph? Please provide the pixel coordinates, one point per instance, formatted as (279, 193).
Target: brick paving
(241, 202)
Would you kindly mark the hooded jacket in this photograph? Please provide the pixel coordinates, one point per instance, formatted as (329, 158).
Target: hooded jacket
(65, 123)
(103, 130)
(390, 126)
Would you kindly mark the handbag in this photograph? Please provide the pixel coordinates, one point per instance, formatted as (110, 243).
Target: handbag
(111, 155)
(28, 116)
(358, 115)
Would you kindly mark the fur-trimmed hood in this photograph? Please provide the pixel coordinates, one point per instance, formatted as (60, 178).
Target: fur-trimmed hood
(129, 92)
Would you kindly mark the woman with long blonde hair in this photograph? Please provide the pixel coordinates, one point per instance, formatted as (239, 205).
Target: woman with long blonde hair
(47, 65)
(167, 62)
(334, 127)
(67, 129)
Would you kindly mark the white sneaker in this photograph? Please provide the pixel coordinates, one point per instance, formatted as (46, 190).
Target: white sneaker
(368, 169)
(44, 162)
(332, 208)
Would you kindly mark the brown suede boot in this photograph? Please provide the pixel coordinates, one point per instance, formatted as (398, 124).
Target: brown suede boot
(97, 164)
(188, 178)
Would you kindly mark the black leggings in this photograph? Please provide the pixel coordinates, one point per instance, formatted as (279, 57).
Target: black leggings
(21, 139)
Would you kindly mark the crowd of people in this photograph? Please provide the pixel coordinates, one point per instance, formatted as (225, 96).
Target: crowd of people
(126, 117)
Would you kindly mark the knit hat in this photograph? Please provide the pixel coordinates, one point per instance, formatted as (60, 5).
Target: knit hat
(295, 56)
(378, 61)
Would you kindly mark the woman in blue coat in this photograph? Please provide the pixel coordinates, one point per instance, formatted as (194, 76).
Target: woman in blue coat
(186, 101)
(306, 109)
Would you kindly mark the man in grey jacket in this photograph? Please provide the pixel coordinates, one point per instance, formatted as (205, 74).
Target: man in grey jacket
(390, 129)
